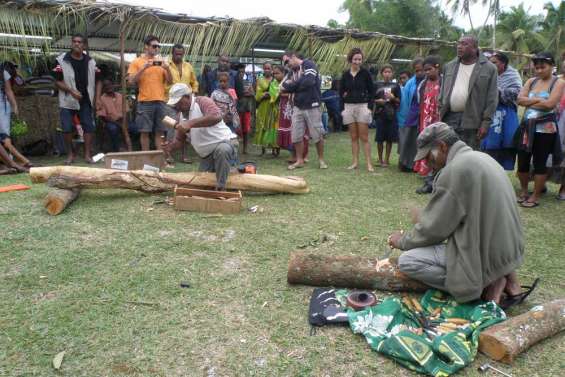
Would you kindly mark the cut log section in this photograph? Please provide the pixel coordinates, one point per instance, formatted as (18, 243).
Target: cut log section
(348, 272)
(504, 341)
(58, 199)
(71, 177)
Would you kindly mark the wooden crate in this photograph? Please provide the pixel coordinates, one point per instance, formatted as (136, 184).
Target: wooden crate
(210, 201)
(144, 160)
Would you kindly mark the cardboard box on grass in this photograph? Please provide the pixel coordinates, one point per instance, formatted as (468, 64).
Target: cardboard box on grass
(144, 160)
(209, 201)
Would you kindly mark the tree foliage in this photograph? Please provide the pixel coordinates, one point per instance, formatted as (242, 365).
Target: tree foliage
(412, 18)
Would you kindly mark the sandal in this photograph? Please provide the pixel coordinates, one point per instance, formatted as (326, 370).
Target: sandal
(560, 196)
(522, 198)
(527, 204)
(509, 301)
(295, 166)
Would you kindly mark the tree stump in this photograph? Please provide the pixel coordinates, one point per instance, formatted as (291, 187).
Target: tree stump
(58, 199)
(348, 272)
(504, 341)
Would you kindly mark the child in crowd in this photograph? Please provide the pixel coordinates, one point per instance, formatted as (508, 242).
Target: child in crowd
(226, 99)
(428, 93)
(245, 105)
(387, 94)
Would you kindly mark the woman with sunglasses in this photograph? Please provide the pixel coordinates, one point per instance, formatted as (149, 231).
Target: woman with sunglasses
(151, 74)
(538, 133)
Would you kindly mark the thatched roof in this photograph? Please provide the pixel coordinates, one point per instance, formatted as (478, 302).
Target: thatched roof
(103, 22)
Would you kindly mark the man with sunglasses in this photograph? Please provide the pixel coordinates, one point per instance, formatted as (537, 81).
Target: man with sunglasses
(151, 75)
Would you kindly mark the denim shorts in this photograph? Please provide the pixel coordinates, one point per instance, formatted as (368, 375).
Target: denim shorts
(84, 115)
(149, 116)
(5, 112)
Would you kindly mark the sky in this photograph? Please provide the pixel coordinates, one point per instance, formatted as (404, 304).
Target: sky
(304, 12)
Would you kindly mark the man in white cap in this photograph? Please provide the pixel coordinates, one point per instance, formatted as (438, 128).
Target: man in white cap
(468, 240)
(211, 138)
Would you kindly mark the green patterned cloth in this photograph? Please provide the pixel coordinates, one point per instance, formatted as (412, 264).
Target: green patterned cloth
(387, 329)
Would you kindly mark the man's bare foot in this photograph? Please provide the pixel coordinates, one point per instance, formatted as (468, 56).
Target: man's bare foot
(370, 168)
(512, 287)
(494, 291)
(296, 165)
(352, 167)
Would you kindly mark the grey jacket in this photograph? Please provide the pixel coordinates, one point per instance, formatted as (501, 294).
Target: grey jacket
(483, 93)
(473, 207)
(66, 101)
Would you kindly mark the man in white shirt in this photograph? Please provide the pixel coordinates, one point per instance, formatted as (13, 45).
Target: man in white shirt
(211, 138)
(469, 93)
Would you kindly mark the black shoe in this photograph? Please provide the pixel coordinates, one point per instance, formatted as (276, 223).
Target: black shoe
(425, 189)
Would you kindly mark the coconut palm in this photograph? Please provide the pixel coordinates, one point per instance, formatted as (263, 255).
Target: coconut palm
(554, 27)
(519, 31)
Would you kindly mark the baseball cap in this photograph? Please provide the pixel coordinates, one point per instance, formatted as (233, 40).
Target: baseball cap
(177, 91)
(429, 136)
(546, 57)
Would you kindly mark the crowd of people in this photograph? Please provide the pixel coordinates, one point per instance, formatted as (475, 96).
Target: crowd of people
(476, 94)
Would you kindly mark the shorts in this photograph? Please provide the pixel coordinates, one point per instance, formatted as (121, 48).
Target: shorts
(387, 130)
(85, 116)
(5, 117)
(356, 113)
(149, 116)
(310, 119)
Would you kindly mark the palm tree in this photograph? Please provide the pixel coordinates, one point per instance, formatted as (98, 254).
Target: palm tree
(464, 6)
(554, 27)
(519, 31)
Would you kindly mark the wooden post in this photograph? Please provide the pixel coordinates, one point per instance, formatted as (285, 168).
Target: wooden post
(125, 131)
(348, 272)
(505, 340)
(58, 199)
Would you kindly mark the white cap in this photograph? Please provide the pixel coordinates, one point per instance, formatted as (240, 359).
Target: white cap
(177, 91)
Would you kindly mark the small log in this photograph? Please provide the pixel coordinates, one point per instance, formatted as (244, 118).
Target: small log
(70, 177)
(504, 341)
(348, 272)
(58, 199)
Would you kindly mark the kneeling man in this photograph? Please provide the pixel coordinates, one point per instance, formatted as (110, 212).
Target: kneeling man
(211, 138)
(468, 240)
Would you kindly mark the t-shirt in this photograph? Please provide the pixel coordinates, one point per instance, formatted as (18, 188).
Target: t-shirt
(110, 107)
(388, 110)
(460, 91)
(80, 68)
(151, 83)
(205, 139)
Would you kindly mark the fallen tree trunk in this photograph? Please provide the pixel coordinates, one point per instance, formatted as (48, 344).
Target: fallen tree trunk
(71, 177)
(504, 341)
(348, 272)
(58, 199)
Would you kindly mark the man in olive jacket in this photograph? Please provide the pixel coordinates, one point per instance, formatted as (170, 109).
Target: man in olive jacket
(473, 210)
(469, 93)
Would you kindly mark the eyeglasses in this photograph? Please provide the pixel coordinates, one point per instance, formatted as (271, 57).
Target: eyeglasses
(155, 46)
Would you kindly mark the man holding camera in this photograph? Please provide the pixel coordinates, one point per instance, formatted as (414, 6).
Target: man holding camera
(151, 74)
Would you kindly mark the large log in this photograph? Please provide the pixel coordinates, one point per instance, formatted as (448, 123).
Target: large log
(348, 272)
(71, 177)
(504, 341)
(58, 199)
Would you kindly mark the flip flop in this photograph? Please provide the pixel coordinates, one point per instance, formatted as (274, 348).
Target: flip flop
(560, 197)
(509, 301)
(527, 204)
(295, 166)
(522, 198)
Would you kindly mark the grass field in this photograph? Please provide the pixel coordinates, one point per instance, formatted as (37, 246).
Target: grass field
(101, 280)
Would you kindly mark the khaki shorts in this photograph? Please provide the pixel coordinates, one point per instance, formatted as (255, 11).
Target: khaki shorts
(311, 118)
(356, 113)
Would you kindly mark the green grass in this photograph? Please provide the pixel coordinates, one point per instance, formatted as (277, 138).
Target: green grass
(75, 282)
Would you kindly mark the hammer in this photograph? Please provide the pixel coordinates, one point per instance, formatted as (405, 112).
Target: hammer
(487, 366)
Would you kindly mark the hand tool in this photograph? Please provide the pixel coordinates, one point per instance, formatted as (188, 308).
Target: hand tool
(487, 366)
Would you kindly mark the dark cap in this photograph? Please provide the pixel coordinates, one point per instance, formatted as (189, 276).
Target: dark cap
(546, 57)
(430, 136)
